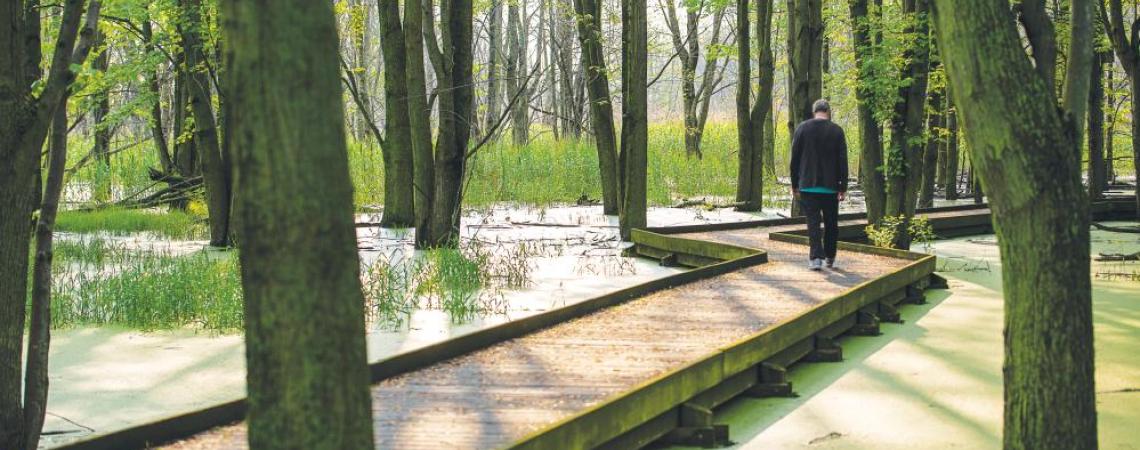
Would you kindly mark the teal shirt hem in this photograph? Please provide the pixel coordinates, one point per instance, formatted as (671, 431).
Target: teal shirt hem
(819, 190)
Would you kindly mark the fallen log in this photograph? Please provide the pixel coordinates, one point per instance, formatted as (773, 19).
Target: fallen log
(1118, 257)
(1102, 227)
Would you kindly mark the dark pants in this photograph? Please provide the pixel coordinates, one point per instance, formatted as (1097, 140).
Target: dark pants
(821, 208)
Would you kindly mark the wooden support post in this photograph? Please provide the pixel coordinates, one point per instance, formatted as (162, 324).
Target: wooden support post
(938, 282)
(866, 323)
(826, 350)
(773, 382)
(914, 295)
(697, 428)
(889, 313)
(669, 260)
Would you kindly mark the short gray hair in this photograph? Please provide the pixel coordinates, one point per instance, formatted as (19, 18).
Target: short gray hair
(821, 105)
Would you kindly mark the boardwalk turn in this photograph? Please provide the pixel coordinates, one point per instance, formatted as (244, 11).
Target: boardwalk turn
(626, 368)
(496, 396)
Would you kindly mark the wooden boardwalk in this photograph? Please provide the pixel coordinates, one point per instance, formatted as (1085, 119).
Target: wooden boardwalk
(497, 396)
(628, 368)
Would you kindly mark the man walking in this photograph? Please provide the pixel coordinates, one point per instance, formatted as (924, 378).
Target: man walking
(819, 180)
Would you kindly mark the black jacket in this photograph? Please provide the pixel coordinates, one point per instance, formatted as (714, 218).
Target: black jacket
(819, 155)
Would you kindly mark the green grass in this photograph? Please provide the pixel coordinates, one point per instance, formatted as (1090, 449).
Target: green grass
(550, 171)
(171, 224)
(98, 283)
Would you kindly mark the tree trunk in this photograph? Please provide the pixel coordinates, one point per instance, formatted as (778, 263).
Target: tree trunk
(157, 129)
(930, 156)
(101, 132)
(300, 270)
(516, 66)
(904, 160)
(399, 167)
(39, 332)
(215, 174)
(571, 126)
(1135, 83)
(871, 134)
(752, 121)
(456, 92)
(589, 13)
(805, 44)
(1042, 223)
(635, 112)
(1096, 128)
(419, 121)
(952, 154)
(494, 64)
(25, 118)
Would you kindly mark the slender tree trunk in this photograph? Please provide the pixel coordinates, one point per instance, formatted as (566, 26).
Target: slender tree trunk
(871, 134)
(560, 27)
(456, 94)
(39, 333)
(494, 64)
(904, 160)
(1042, 222)
(952, 154)
(1110, 130)
(216, 175)
(589, 13)
(805, 44)
(753, 125)
(634, 128)
(516, 67)
(399, 166)
(157, 129)
(930, 156)
(419, 121)
(25, 118)
(300, 270)
(1096, 128)
(102, 109)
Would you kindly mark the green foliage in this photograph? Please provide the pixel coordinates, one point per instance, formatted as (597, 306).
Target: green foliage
(886, 232)
(172, 224)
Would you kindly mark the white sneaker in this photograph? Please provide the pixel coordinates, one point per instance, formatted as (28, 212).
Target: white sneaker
(830, 263)
(815, 264)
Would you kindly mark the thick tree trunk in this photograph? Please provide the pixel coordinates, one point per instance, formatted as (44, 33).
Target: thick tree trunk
(589, 13)
(456, 94)
(294, 201)
(419, 121)
(215, 173)
(634, 128)
(399, 166)
(1042, 222)
(1096, 128)
(1135, 82)
(871, 134)
(904, 160)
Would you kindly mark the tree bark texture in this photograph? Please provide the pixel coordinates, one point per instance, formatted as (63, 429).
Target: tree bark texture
(305, 347)
(634, 128)
(1023, 155)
